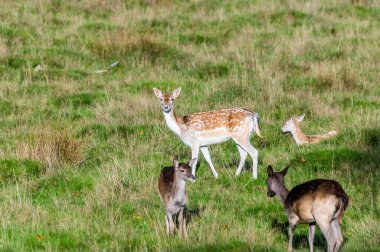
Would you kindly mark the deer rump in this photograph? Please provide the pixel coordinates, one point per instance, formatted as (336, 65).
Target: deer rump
(317, 197)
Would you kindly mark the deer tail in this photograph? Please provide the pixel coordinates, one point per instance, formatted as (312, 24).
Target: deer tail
(255, 118)
(343, 206)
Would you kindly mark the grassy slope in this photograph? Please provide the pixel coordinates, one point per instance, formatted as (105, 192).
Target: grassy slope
(321, 59)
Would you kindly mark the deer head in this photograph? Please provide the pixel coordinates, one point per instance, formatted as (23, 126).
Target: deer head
(167, 100)
(275, 181)
(292, 123)
(183, 170)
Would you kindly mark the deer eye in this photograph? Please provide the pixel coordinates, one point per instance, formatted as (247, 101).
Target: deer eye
(160, 99)
(182, 170)
(172, 99)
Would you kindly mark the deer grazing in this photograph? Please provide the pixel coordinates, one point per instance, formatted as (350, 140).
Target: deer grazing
(199, 130)
(293, 126)
(172, 189)
(318, 201)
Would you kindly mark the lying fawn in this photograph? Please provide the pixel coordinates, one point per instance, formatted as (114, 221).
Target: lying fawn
(172, 188)
(199, 130)
(293, 126)
(318, 201)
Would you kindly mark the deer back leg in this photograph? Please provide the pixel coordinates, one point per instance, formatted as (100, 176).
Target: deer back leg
(324, 225)
(311, 236)
(246, 145)
(243, 156)
(337, 234)
(324, 214)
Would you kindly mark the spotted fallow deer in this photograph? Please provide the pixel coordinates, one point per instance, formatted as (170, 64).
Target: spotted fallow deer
(172, 189)
(318, 201)
(293, 126)
(199, 130)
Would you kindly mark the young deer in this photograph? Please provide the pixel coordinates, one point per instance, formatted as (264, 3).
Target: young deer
(293, 126)
(172, 189)
(318, 201)
(199, 130)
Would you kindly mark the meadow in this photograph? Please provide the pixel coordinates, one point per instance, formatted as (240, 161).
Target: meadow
(81, 149)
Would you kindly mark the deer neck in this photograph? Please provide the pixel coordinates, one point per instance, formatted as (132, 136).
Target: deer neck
(282, 193)
(298, 135)
(172, 122)
(180, 188)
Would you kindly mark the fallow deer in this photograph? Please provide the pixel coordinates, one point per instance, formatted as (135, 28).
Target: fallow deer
(318, 201)
(172, 189)
(199, 130)
(293, 126)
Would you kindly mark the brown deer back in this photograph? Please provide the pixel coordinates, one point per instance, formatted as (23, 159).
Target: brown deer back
(303, 197)
(165, 183)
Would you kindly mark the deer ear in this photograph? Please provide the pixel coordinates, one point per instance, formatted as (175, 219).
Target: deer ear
(157, 92)
(285, 171)
(300, 118)
(270, 170)
(176, 92)
(175, 163)
(192, 161)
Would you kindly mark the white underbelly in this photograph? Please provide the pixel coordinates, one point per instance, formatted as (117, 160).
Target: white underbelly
(206, 137)
(209, 140)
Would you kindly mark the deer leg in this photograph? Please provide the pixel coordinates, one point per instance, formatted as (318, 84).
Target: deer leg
(170, 221)
(337, 234)
(207, 156)
(246, 145)
(328, 234)
(182, 223)
(311, 236)
(243, 156)
(194, 154)
(291, 233)
(167, 224)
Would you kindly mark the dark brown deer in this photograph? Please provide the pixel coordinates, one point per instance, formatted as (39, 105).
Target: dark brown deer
(172, 188)
(318, 201)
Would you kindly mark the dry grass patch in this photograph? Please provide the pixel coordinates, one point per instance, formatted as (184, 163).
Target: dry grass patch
(339, 76)
(4, 50)
(52, 148)
(90, 5)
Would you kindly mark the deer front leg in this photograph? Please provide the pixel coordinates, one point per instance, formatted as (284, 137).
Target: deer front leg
(182, 223)
(207, 156)
(194, 154)
(167, 224)
(291, 233)
(170, 223)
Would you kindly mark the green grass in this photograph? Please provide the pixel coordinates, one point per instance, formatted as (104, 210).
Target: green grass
(278, 59)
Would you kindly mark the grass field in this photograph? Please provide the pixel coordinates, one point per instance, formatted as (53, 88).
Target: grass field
(81, 152)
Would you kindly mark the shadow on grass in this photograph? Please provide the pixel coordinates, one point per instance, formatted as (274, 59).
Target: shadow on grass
(301, 240)
(190, 214)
